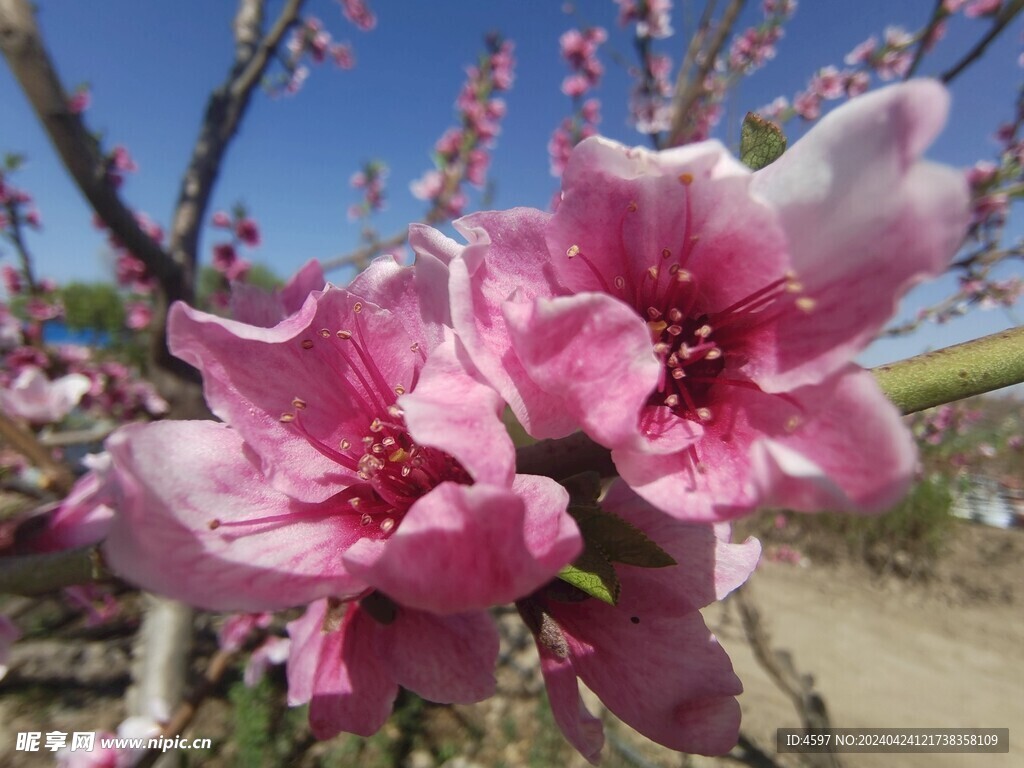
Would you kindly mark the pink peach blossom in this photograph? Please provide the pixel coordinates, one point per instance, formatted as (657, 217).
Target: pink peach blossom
(358, 453)
(33, 397)
(348, 663)
(700, 320)
(650, 658)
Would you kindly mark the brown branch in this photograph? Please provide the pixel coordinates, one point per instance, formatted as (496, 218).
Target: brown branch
(938, 14)
(686, 96)
(24, 442)
(1002, 20)
(219, 664)
(224, 111)
(31, 65)
(360, 256)
(809, 704)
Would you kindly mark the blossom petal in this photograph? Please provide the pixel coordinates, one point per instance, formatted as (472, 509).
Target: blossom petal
(252, 376)
(197, 521)
(506, 254)
(853, 454)
(340, 672)
(667, 677)
(445, 659)
(309, 278)
(417, 295)
(452, 410)
(580, 728)
(865, 222)
(710, 567)
(462, 548)
(593, 352)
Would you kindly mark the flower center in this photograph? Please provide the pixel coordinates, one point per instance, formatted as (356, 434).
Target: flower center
(395, 471)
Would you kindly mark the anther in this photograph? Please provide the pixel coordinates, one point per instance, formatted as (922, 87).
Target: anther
(653, 312)
(344, 335)
(388, 441)
(632, 206)
(713, 354)
(686, 178)
(675, 330)
(620, 282)
(678, 373)
(299, 403)
(365, 520)
(805, 303)
(682, 276)
(355, 502)
(395, 412)
(792, 423)
(675, 315)
(357, 307)
(376, 425)
(307, 343)
(345, 445)
(666, 253)
(214, 524)
(672, 401)
(792, 286)
(704, 331)
(399, 390)
(573, 251)
(324, 333)
(387, 525)
(653, 272)
(287, 417)
(704, 414)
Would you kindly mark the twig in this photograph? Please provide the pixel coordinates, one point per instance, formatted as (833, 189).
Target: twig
(31, 65)
(938, 14)
(362, 255)
(809, 704)
(220, 662)
(24, 442)
(1002, 20)
(684, 98)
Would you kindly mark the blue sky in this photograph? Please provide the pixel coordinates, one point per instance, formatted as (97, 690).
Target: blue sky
(151, 66)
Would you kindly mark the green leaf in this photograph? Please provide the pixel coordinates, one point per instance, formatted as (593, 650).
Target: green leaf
(761, 142)
(621, 541)
(592, 572)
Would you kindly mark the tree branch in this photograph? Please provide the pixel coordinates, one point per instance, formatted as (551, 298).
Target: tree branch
(224, 111)
(686, 94)
(1002, 20)
(31, 65)
(24, 442)
(972, 368)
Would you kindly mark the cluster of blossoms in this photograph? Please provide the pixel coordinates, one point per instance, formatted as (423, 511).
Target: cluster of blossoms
(748, 51)
(888, 59)
(370, 179)
(649, 106)
(310, 41)
(461, 154)
(693, 318)
(579, 49)
(243, 231)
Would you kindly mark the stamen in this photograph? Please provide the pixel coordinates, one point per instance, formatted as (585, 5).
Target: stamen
(805, 303)
(299, 403)
(573, 251)
(344, 335)
(387, 525)
(307, 344)
(686, 178)
(324, 333)
(666, 253)
(704, 414)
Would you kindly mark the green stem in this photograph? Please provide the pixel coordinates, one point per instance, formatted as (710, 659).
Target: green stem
(950, 374)
(38, 574)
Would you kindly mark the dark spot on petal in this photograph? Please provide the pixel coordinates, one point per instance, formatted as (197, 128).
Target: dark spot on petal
(635, 619)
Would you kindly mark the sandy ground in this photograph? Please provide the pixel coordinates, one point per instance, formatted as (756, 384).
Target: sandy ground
(887, 653)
